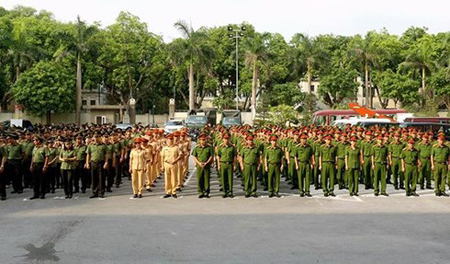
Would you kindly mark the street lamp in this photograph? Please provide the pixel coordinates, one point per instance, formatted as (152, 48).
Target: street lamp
(238, 33)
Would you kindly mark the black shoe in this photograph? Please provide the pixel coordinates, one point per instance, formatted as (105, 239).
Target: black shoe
(174, 196)
(414, 194)
(376, 194)
(76, 191)
(308, 195)
(135, 196)
(332, 194)
(384, 194)
(396, 187)
(108, 190)
(422, 187)
(42, 197)
(271, 195)
(325, 194)
(341, 187)
(149, 190)
(293, 188)
(224, 195)
(247, 195)
(140, 196)
(34, 197)
(302, 195)
(402, 187)
(70, 196)
(429, 188)
(221, 190)
(167, 196)
(351, 194)
(13, 192)
(444, 194)
(408, 194)
(101, 196)
(266, 189)
(207, 196)
(438, 194)
(316, 188)
(67, 197)
(254, 195)
(201, 196)
(93, 196)
(356, 194)
(2, 198)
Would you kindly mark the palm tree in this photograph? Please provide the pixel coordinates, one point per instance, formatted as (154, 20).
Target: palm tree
(306, 56)
(365, 54)
(195, 52)
(256, 51)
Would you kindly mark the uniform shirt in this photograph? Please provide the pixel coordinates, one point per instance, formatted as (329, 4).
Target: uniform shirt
(424, 150)
(341, 147)
(379, 153)
(395, 149)
(250, 155)
(80, 152)
(51, 154)
(68, 165)
(440, 154)
(304, 153)
(366, 147)
(138, 159)
(97, 152)
(27, 148)
(353, 156)
(39, 154)
(328, 153)
(109, 150)
(291, 148)
(170, 153)
(14, 152)
(226, 153)
(274, 154)
(410, 156)
(202, 153)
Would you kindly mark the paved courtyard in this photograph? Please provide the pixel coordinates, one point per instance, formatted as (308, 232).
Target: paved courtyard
(117, 229)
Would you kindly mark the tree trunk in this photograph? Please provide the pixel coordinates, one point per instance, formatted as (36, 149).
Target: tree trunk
(48, 118)
(78, 91)
(423, 82)
(254, 84)
(366, 83)
(308, 89)
(191, 87)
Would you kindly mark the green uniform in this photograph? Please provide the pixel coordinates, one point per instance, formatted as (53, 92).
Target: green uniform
(440, 155)
(227, 155)
(341, 176)
(68, 165)
(366, 147)
(353, 160)
(316, 172)
(328, 155)
(38, 156)
(97, 153)
(425, 164)
(274, 156)
(14, 157)
(395, 150)
(304, 155)
(379, 154)
(203, 154)
(292, 173)
(250, 158)
(410, 158)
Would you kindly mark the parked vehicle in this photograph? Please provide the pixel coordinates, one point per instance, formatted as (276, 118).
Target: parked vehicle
(124, 126)
(326, 117)
(196, 121)
(173, 125)
(441, 120)
(18, 123)
(434, 127)
(231, 118)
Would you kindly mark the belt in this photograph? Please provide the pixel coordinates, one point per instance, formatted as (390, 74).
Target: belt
(250, 164)
(226, 162)
(366, 156)
(329, 161)
(381, 162)
(275, 163)
(410, 163)
(341, 158)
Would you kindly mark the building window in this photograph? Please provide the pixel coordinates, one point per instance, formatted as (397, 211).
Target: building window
(84, 102)
(92, 102)
(312, 88)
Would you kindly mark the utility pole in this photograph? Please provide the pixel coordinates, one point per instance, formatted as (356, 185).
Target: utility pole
(238, 33)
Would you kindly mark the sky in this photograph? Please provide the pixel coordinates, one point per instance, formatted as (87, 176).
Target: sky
(339, 17)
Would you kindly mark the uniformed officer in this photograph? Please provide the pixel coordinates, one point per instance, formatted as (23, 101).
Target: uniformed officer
(226, 164)
(410, 159)
(379, 156)
(273, 165)
(424, 149)
(290, 157)
(327, 160)
(14, 157)
(250, 164)
(304, 162)
(440, 160)
(68, 158)
(97, 161)
(80, 172)
(203, 157)
(170, 157)
(138, 167)
(366, 147)
(341, 146)
(395, 149)
(27, 148)
(353, 160)
(39, 159)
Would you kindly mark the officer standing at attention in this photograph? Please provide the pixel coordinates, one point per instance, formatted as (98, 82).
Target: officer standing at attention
(14, 156)
(327, 161)
(273, 165)
(80, 171)
(97, 161)
(424, 148)
(38, 160)
(250, 163)
(410, 157)
(440, 160)
(226, 164)
(304, 162)
(366, 147)
(138, 167)
(341, 146)
(379, 162)
(170, 157)
(395, 149)
(203, 156)
(353, 159)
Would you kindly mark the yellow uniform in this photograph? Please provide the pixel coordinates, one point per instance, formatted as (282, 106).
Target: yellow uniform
(138, 162)
(170, 156)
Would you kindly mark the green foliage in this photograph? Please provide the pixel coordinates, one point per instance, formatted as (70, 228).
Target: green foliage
(398, 87)
(282, 114)
(46, 87)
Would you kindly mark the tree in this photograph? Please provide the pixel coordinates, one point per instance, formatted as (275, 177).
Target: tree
(282, 114)
(440, 81)
(46, 88)
(400, 88)
(340, 84)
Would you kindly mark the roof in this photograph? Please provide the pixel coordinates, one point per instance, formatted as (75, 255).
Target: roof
(351, 112)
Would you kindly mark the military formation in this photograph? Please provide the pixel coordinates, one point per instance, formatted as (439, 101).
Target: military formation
(92, 158)
(98, 157)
